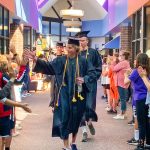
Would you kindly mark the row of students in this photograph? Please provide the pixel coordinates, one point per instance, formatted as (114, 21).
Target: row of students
(7, 122)
(139, 78)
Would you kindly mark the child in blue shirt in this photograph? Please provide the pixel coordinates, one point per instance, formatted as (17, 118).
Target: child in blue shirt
(139, 95)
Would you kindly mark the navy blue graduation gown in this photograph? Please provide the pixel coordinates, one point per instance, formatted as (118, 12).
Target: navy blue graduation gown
(94, 57)
(68, 114)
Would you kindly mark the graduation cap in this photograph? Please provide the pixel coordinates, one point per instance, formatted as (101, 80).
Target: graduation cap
(73, 41)
(60, 44)
(82, 34)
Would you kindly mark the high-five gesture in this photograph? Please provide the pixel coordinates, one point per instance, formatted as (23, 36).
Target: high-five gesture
(27, 54)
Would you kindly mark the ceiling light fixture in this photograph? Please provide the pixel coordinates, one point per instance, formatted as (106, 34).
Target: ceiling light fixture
(73, 29)
(72, 23)
(72, 13)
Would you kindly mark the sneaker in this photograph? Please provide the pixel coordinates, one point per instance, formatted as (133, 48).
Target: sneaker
(73, 147)
(91, 128)
(110, 111)
(103, 97)
(119, 117)
(23, 95)
(147, 147)
(18, 127)
(132, 142)
(15, 134)
(107, 109)
(84, 137)
(114, 112)
(131, 123)
(28, 94)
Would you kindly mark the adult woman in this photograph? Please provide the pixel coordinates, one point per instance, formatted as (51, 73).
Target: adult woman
(120, 70)
(73, 74)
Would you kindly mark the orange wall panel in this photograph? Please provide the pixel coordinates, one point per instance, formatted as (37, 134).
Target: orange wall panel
(9, 4)
(134, 5)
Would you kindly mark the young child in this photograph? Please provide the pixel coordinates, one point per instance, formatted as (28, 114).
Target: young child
(6, 112)
(139, 95)
(114, 95)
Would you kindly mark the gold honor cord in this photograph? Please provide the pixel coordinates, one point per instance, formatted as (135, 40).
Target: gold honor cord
(63, 83)
(77, 74)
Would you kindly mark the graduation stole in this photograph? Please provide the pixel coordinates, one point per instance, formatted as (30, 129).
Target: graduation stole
(77, 74)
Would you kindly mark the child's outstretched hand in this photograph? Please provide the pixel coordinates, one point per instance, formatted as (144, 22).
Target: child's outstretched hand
(26, 108)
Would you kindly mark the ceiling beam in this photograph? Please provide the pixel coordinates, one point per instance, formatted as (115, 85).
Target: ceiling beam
(50, 19)
(70, 5)
(56, 12)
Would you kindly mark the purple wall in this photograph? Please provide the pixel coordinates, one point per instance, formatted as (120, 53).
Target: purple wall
(117, 13)
(41, 3)
(27, 10)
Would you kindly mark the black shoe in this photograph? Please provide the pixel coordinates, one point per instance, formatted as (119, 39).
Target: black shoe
(104, 97)
(73, 147)
(92, 129)
(110, 111)
(147, 147)
(132, 142)
(114, 111)
(140, 147)
(131, 123)
(84, 137)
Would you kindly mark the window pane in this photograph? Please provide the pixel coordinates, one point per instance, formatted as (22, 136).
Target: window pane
(6, 47)
(0, 46)
(6, 23)
(33, 37)
(147, 22)
(138, 25)
(1, 22)
(147, 43)
(55, 28)
(26, 35)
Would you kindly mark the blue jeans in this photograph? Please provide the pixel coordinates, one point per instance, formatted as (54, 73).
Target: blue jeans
(123, 94)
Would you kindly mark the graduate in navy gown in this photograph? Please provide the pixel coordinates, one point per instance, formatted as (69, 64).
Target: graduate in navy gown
(92, 56)
(77, 74)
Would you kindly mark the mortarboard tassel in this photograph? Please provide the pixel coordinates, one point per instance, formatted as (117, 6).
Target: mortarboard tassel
(80, 96)
(63, 84)
(74, 100)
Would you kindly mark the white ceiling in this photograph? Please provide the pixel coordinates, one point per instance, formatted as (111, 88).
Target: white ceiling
(92, 9)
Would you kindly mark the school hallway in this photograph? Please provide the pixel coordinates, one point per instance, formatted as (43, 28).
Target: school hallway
(36, 133)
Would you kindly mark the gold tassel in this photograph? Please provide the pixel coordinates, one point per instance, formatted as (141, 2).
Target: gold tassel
(74, 100)
(80, 96)
(64, 84)
(57, 104)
